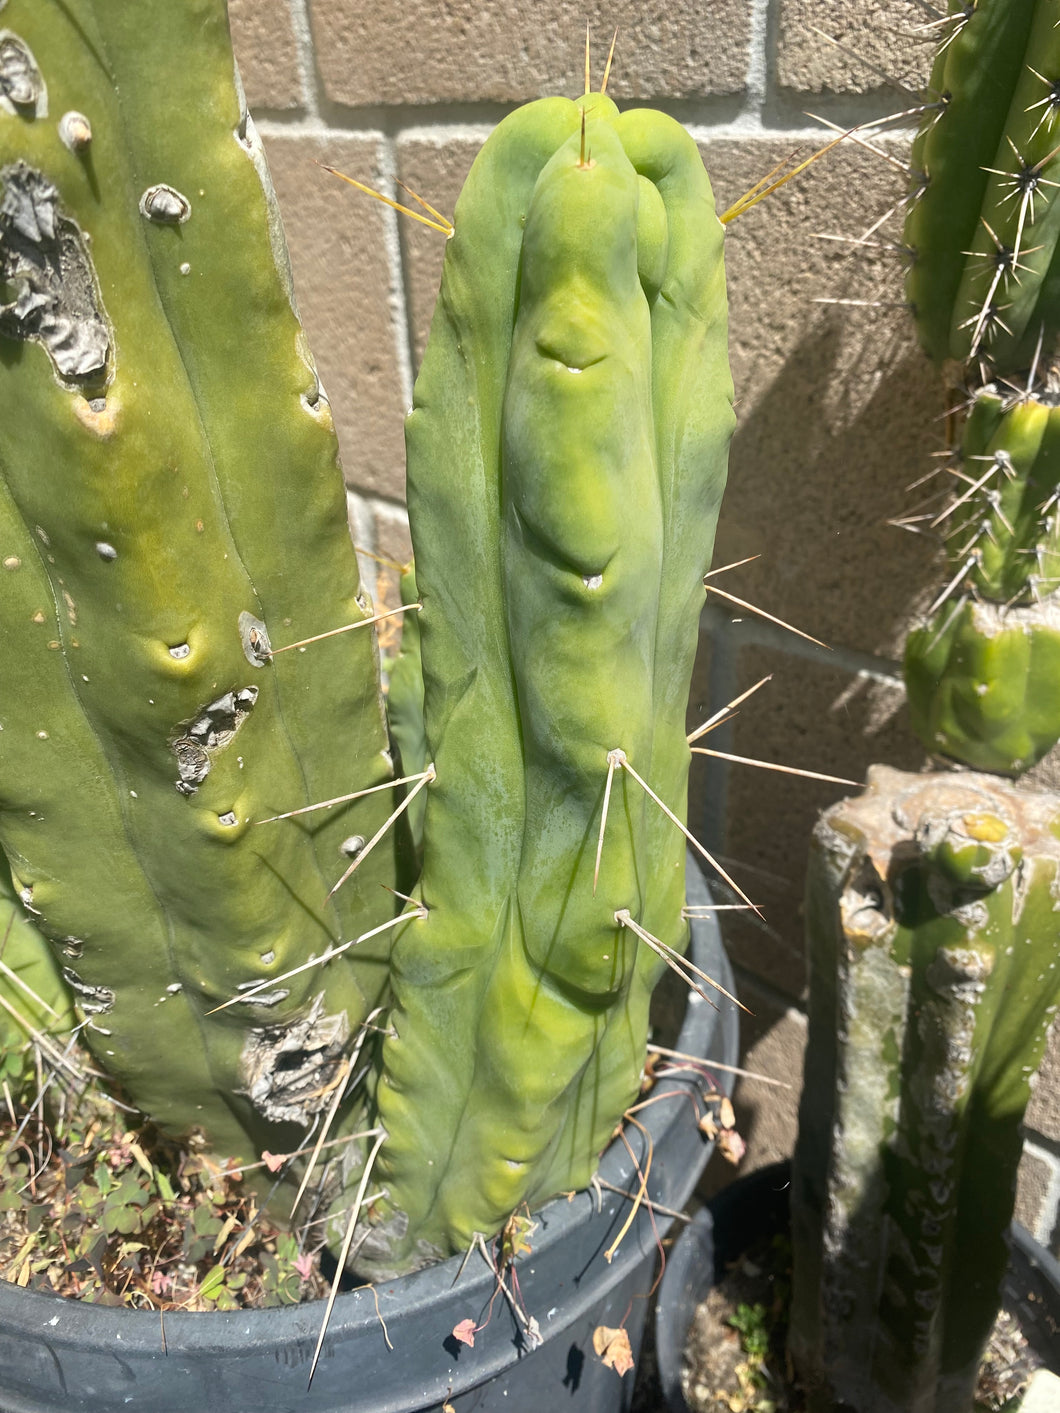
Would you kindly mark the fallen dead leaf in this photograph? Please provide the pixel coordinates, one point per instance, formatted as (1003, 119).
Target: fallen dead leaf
(465, 1332)
(731, 1146)
(613, 1348)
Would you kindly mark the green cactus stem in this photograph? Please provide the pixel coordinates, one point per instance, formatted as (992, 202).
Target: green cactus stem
(983, 669)
(566, 455)
(404, 706)
(171, 512)
(931, 922)
(35, 1002)
(984, 221)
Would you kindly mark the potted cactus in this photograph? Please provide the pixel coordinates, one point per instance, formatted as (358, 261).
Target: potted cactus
(931, 899)
(267, 908)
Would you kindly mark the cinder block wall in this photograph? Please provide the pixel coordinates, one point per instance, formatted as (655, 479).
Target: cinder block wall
(838, 412)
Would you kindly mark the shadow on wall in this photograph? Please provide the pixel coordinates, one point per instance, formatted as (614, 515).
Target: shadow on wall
(819, 465)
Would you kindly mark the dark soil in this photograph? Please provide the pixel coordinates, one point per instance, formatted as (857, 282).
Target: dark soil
(735, 1356)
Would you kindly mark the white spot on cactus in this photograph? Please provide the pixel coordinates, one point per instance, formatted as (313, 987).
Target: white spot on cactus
(42, 534)
(12, 562)
(267, 958)
(352, 845)
(42, 735)
(185, 268)
(165, 205)
(267, 998)
(227, 819)
(174, 987)
(105, 551)
(593, 581)
(75, 131)
(180, 651)
(21, 85)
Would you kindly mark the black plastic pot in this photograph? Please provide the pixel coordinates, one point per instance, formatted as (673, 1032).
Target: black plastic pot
(757, 1207)
(57, 1356)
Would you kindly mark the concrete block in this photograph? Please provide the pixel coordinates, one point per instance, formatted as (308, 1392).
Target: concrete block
(417, 52)
(342, 280)
(267, 53)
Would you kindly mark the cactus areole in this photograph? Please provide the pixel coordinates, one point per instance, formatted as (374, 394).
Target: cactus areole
(172, 517)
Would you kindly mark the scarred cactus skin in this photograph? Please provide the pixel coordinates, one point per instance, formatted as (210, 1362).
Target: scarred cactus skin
(170, 501)
(931, 921)
(566, 456)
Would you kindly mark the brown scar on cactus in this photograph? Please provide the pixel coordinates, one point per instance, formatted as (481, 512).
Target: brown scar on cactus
(286, 1070)
(211, 730)
(44, 255)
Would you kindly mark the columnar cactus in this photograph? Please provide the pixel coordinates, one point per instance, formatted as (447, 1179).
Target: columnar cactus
(931, 899)
(566, 455)
(983, 225)
(170, 514)
(983, 670)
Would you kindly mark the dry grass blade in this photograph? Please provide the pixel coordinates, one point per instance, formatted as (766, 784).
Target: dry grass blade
(344, 1254)
(14, 977)
(55, 1056)
(642, 1187)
